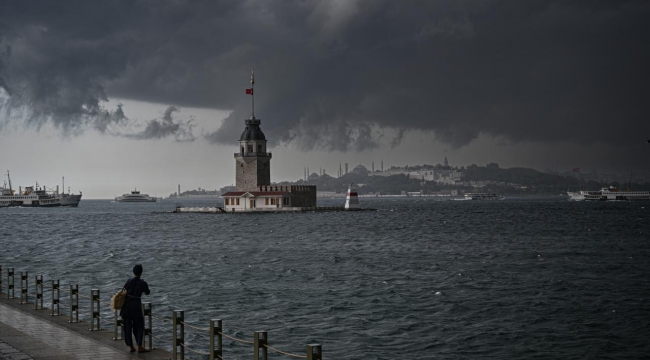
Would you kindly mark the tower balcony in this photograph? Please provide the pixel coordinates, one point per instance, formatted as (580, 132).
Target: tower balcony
(253, 154)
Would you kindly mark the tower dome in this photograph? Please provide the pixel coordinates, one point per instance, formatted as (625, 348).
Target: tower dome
(252, 130)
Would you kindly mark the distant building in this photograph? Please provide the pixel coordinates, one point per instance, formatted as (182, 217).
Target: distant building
(346, 168)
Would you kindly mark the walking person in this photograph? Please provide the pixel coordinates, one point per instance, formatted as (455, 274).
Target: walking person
(131, 312)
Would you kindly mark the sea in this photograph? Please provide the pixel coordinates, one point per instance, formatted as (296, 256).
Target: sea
(420, 278)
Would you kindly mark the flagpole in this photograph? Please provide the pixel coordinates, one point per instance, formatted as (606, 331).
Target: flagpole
(253, 92)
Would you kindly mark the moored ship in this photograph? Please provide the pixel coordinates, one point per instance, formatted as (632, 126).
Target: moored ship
(610, 193)
(482, 196)
(135, 196)
(35, 196)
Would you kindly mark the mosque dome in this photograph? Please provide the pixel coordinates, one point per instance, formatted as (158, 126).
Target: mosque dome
(360, 169)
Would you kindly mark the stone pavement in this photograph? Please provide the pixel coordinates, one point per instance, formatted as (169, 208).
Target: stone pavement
(32, 334)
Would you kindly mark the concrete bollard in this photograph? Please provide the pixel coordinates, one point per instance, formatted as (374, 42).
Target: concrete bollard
(216, 329)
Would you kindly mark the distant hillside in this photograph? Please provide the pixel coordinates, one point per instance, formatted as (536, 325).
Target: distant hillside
(489, 178)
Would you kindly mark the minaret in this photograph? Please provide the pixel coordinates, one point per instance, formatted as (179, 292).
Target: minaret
(253, 163)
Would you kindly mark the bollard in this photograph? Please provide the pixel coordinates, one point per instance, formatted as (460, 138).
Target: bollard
(24, 284)
(74, 303)
(38, 292)
(10, 284)
(118, 323)
(55, 298)
(148, 333)
(216, 329)
(259, 342)
(178, 338)
(95, 315)
(314, 352)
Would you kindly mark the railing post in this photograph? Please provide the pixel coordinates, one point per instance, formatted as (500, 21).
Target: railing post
(55, 298)
(117, 323)
(216, 330)
(10, 284)
(148, 330)
(38, 292)
(74, 303)
(314, 352)
(24, 286)
(259, 343)
(178, 337)
(95, 313)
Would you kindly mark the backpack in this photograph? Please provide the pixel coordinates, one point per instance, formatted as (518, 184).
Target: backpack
(117, 301)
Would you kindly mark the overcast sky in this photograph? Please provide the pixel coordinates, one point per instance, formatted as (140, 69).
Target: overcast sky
(149, 94)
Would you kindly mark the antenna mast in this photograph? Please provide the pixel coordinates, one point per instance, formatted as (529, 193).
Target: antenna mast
(11, 191)
(253, 92)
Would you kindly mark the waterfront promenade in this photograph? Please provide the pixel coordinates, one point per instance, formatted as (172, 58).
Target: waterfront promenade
(26, 333)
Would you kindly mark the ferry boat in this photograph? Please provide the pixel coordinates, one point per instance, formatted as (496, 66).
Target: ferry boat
(135, 196)
(482, 196)
(35, 196)
(610, 193)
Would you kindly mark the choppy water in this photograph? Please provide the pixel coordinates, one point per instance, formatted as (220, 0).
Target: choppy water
(417, 279)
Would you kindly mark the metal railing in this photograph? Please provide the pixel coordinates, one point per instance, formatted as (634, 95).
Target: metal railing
(214, 331)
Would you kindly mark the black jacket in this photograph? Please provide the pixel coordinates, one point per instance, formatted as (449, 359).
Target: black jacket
(135, 287)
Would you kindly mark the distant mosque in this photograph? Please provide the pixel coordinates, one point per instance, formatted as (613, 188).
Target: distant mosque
(254, 191)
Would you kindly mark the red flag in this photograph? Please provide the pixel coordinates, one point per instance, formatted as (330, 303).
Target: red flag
(576, 170)
(249, 91)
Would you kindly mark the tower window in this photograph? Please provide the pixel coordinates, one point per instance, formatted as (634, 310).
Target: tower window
(250, 148)
(259, 148)
(242, 165)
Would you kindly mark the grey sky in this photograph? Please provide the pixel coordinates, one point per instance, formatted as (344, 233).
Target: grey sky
(541, 84)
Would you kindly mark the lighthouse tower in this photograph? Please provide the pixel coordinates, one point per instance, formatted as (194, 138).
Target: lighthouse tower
(352, 199)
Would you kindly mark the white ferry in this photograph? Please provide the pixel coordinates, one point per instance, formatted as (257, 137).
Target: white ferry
(35, 196)
(611, 193)
(482, 196)
(135, 196)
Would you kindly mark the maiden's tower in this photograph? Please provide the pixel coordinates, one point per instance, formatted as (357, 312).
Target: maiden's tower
(254, 191)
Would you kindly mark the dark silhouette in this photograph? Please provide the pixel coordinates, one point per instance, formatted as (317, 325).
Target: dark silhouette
(131, 312)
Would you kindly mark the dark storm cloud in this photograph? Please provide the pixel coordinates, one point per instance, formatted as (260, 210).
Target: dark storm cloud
(338, 74)
(166, 127)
